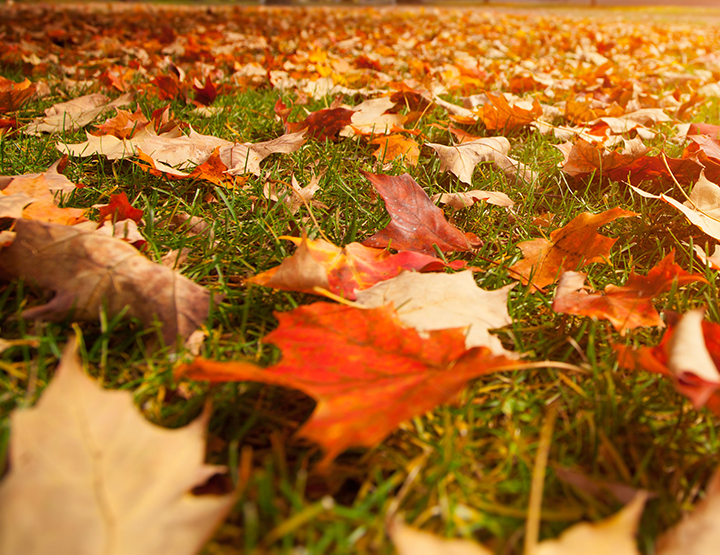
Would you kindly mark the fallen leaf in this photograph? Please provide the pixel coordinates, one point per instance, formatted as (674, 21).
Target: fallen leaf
(468, 198)
(89, 272)
(395, 146)
(628, 306)
(75, 114)
(88, 474)
(440, 301)
(702, 207)
(365, 370)
(498, 115)
(410, 541)
(713, 260)
(569, 248)
(124, 125)
(347, 269)
(689, 354)
(416, 223)
(462, 159)
(370, 117)
(615, 535)
(697, 533)
(119, 209)
(13, 95)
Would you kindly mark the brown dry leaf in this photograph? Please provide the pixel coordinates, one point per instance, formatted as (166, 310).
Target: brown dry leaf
(713, 260)
(568, 248)
(468, 198)
(295, 196)
(370, 117)
(698, 533)
(462, 159)
(173, 152)
(88, 475)
(75, 114)
(89, 272)
(440, 301)
(702, 207)
(124, 125)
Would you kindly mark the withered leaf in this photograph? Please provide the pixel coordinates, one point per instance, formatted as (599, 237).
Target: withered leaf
(90, 475)
(416, 223)
(89, 272)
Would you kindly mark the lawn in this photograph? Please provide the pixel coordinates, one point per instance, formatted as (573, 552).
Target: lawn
(594, 100)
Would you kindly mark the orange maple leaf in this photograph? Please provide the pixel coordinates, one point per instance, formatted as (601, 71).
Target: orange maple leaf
(341, 270)
(395, 146)
(628, 306)
(367, 372)
(569, 248)
(498, 115)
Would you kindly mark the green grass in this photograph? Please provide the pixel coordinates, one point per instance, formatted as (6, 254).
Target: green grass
(462, 470)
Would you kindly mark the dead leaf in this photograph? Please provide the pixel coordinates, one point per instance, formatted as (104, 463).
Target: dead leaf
(90, 272)
(440, 301)
(462, 159)
(689, 354)
(459, 201)
(367, 372)
(628, 306)
(75, 114)
(498, 115)
(349, 268)
(391, 147)
(697, 533)
(13, 95)
(569, 248)
(88, 475)
(409, 541)
(416, 223)
(702, 207)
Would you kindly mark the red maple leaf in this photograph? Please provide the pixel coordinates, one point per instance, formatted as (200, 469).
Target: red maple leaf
(119, 209)
(367, 372)
(416, 224)
(323, 124)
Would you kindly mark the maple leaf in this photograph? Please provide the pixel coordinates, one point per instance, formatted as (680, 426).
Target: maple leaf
(172, 150)
(396, 146)
(88, 474)
(689, 354)
(568, 248)
(371, 118)
(498, 115)
(440, 301)
(365, 370)
(295, 196)
(341, 270)
(628, 306)
(462, 159)
(697, 533)
(204, 94)
(702, 207)
(632, 164)
(13, 95)
(40, 193)
(124, 125)
(90, 272)
(615, 534)
(75, 113)
(705, 150)
(119, 209)
(416, 224)
(468, 198)
(321, 125)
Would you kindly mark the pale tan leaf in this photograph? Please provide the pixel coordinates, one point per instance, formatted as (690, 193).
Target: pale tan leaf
(75, 113)
(462, 159)
(468, 198)
(90, 475)
(409, 541)
(439, 301)
(698, 533)
(614, 535)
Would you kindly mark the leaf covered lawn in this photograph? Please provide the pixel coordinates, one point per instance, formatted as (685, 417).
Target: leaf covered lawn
(404, 274)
